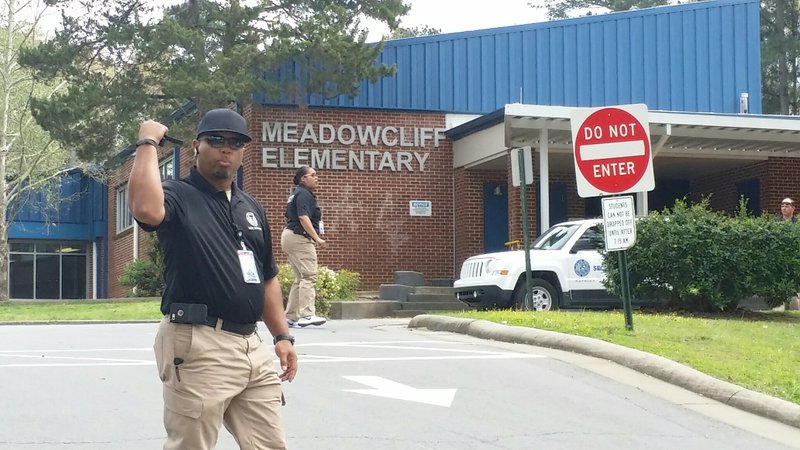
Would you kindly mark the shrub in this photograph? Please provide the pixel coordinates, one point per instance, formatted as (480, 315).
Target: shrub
(141, 276)
(285, 278)
(145, 277)
(348, 283)
(331, 285)
(703, 260)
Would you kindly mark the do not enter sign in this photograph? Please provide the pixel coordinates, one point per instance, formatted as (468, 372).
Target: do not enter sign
(612, 150)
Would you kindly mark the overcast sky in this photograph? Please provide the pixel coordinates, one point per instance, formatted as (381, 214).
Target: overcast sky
(447, 15)
(465, 15)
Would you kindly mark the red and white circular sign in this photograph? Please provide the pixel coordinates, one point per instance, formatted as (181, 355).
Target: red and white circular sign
(612, 150)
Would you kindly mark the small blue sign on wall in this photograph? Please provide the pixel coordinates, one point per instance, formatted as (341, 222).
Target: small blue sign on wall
(420, 208)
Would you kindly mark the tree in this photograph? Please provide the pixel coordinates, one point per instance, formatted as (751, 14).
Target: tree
(30, 160)
(126, 60)
(562, 9)
(424, 30)
(780, 56)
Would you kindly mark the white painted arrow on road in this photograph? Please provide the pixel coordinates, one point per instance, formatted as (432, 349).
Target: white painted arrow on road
(381, 387)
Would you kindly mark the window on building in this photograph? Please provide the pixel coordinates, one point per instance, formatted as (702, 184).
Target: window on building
(48, 270)
(167, 168)
(124, 217)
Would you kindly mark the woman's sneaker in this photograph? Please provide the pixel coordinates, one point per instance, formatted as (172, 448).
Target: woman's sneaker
(291, 323)
(311, 320)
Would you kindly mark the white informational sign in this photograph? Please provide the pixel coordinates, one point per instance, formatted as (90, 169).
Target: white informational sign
(419, 208)
(619, 223)
(527, 160)
(612, 150)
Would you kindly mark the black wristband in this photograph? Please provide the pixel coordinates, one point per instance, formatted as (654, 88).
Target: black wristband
(147, 141)
(283, 337)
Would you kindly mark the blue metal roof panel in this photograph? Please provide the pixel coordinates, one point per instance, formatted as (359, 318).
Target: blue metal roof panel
(692, 57)
(52, 231)
(81, 215)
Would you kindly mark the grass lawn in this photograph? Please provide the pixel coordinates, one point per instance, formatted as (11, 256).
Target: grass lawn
(757, 350)
(80, 310)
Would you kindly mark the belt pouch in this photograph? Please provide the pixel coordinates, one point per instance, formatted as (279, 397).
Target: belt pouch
(188, 313)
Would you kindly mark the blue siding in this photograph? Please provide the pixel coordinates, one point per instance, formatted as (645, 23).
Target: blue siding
(488, 67)
(474, 65)
(432, 74)
(637, 60)
(570, 65)
(556, 69)
(446, 78)
(542, 56)
(702, 62)
(692, 57)
(529, 76)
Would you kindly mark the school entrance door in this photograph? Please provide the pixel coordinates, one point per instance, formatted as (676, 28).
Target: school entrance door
(495, 216)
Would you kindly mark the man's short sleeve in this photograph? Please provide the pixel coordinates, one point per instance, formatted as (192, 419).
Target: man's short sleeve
(172, 206)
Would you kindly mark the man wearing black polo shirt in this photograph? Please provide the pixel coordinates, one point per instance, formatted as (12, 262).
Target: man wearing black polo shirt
(220, 276)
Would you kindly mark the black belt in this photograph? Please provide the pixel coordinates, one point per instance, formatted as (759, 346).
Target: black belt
(233, 327)
(301, 233)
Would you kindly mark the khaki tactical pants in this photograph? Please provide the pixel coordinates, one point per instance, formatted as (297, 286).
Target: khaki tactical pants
(302, 255)
(211, 377)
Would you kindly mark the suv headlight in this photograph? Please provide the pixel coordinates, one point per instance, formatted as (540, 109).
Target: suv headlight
(496, 267)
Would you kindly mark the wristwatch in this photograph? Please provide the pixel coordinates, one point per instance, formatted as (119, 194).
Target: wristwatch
(146, 141)
(283, 337)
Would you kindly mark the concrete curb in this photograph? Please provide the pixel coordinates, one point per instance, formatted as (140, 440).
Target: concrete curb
(655, 366)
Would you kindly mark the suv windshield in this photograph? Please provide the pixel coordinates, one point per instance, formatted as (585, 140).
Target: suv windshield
(555, 237)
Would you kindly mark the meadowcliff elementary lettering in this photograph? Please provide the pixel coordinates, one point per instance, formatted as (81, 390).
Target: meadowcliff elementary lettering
(331, 158)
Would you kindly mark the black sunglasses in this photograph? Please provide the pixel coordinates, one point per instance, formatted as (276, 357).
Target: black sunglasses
(235, 143)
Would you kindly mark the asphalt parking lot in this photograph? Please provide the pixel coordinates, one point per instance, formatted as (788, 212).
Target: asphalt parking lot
(368, 384)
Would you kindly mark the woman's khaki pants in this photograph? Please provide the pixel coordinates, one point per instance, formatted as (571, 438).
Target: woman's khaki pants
(302, 254)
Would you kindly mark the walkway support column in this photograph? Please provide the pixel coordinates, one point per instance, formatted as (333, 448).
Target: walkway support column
(544, 181)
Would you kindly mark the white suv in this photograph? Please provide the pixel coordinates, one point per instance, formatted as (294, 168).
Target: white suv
(566, 267)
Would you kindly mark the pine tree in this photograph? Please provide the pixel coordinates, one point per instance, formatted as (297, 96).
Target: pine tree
(127, 60)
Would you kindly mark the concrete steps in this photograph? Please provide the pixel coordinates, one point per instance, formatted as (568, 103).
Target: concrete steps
(363, 309)
(407, 296)
(441, 291)
(414, 297)
(429, 298)
(395, 292)
(368, 295)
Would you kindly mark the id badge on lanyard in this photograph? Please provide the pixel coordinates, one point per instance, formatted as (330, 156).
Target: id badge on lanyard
(248, 264)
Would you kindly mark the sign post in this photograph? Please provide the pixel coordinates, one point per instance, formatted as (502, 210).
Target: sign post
(619, 232)
(612, 157)
(521, 166)
(520, 154)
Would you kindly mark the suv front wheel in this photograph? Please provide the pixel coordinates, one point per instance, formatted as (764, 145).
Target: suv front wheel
(544, 298)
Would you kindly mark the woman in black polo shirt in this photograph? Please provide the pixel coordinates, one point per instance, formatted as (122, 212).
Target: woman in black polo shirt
(299, 242)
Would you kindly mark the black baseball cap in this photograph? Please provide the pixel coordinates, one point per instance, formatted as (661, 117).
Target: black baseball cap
(223, 119)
